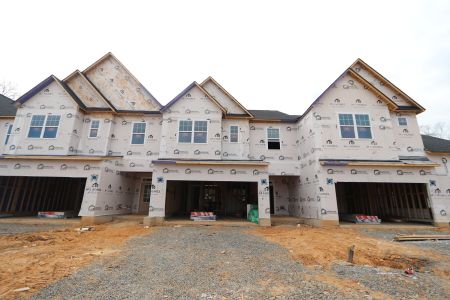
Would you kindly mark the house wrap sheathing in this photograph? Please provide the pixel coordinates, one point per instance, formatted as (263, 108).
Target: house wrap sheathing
(98, 143)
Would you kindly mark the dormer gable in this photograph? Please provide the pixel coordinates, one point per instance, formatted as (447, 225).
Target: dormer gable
(234, 108)
(119, 87)
(86, 92)
(400, 98)
(188, 93)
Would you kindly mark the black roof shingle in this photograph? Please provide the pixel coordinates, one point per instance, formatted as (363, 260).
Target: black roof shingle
(434, 144)
(7, 107)
(273, 115)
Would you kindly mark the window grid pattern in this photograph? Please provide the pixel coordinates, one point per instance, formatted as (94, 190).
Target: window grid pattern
(193, 134)
(273, 138)
(185, 132)
(138, 135)
(95, 125)
(200, 132)
(38, 130)
(234, 134)
(348, 122)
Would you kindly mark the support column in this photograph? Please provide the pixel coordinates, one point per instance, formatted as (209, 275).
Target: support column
(157, 208)
(264, 201)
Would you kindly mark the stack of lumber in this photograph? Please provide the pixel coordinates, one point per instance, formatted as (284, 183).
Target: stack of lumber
(421, 237)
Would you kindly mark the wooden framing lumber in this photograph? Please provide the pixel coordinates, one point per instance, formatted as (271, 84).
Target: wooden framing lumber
(421, 237)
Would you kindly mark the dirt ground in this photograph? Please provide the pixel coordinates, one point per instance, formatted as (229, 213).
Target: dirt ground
(323, 248)
(35, 259)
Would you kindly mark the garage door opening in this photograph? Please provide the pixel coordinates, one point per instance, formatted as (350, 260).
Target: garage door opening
(26, 196)
(391, 202)
(224, 199)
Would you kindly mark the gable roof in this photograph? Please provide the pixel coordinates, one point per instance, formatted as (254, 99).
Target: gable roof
(28, 95)
(7, 107)
(434, 144)
(371, 87)
(106, 56)
(108, 105)
(394, 106)
(273, 115)
(390, 84)
(188, 88)
(226, 93)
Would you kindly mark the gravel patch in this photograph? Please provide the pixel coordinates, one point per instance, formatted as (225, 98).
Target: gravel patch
(16, 228)
(195, 263)
(392, 282)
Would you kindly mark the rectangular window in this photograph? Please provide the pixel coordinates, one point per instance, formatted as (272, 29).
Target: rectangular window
(234, 134)
(200, 132)
(347, 126)
(138, 135)
(193, 134)
(273, 138)
(93, 131)
(363, 126)
(8, 133)
(51, 127)
(402, 122)
(185, 132)
(37, 123)
(347, 123)
(44, 126)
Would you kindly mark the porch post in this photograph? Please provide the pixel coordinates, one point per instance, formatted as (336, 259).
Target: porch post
(157, 207)
(264, 201)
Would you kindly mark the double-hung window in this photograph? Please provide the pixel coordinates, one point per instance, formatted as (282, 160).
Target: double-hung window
(8, 133)
(363, 126)
(193, 132)
(44, 126)
(348, 122)
(138, 133)
(273, 138)
(185, 132)
(402, 121)
(93, 131)
(200, 132)
(234, 134)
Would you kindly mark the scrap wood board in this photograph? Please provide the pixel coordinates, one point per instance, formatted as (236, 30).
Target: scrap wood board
(422, 237)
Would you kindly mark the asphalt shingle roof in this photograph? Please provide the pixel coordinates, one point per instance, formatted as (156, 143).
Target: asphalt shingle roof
(7, 107)
(434, 144)
(273, 115)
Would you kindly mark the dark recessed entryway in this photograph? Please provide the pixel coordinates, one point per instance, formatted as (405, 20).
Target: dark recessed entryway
(21, 195)
(226, 199)
(389, 201)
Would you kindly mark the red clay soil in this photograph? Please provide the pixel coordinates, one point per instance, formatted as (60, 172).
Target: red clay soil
(34, 260)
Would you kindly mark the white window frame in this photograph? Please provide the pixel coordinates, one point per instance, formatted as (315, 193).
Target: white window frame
(193, 131)
(44, 127)
(237, 134)
(132, 133)
(355, 126)
(406, 121)
(8, 133)
(267, 137)
(90, 129)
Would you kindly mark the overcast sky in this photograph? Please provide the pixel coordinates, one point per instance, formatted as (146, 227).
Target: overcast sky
(268, 54)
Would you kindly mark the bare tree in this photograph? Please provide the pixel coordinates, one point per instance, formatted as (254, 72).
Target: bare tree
(439, 129)
(8, 89)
